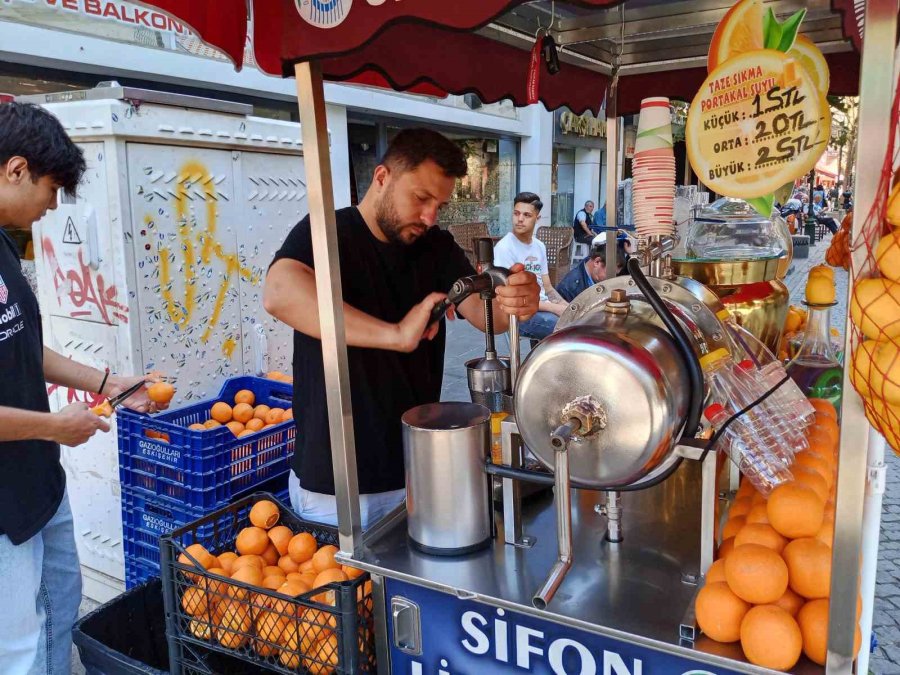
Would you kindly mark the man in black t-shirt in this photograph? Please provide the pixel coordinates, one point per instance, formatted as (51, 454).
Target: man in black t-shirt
(40, 579)
(395, 266)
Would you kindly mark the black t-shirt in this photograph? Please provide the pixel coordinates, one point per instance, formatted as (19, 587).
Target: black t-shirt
(385, 281)
(32, 480)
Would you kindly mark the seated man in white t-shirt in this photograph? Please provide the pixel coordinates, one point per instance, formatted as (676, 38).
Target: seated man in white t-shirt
(521, 246)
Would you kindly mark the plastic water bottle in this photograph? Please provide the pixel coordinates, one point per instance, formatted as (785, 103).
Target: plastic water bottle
(729, 390)
(788, 398)
(743, 449)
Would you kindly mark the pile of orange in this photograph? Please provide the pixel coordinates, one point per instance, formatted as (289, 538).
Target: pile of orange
(243, 418)
(280, 565)
(770, 584)
(278, 376)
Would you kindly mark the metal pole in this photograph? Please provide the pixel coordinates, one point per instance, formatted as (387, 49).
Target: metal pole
(875, 96)
(314, 128)
(612, 191)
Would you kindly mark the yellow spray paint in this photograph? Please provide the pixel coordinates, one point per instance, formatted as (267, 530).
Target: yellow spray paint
(194, 172)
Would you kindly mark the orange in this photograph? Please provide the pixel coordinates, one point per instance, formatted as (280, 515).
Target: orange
(813, 620)
(819, 290)
(812, 479)
(759, 514)
(323, 579)
(201, 629)
(824, 407)
(194, 601)
(790, 602)
(795, 510)
(274, 582)
(354, 572)
(235, 427)
(762, 534)
(771, 638)
(199, 553)
(725, 548)
(817, 463)
(245, 396)
(260, 412)
(215, 587)
(716, 572)
(273, 571)
(316, 625)
(248, 575)
(740, 507)
(732, 527)
(307, 567)
(296, 578)
(820, 443)
(226, 560)
(720, 612)
(255, 424)
(288, 565)
(740, 30)
(756, 574)
(289, 414)
(242, 412)
(234, 626)
(324, 658)
(160, 392)
(246, 432)
(274, 416)
(746, 489)
(221, 412)
(813, 62)
(211, 424)
(828, 425)
(290, 652)
(302, 547)
(809, 566)
(269, 629)
(324, 559)
(247, 561)
(270, 555)
(826, 532)
(281, 537)
(196, 426)
(252, 541)
(264, 514)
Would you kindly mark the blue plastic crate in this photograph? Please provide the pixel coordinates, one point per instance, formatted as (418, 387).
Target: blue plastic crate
(145, 518)
(204, 469)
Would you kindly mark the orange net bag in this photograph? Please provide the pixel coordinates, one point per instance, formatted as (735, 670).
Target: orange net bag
(875, 300)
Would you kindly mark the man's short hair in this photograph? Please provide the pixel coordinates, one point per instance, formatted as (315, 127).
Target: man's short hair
(29, 131)
(529, 198)
(598, 251)
(412, 147)
(589, 201)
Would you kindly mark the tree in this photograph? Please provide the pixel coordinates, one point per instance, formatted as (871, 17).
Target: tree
(844, 117)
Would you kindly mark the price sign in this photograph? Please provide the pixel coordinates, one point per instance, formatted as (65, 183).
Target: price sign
(757, 123)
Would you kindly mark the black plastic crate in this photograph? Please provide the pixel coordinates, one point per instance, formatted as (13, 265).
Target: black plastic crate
(328, 629)
(127, 636)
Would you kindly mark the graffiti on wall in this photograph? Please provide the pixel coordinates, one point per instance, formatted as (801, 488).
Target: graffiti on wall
(88, 290)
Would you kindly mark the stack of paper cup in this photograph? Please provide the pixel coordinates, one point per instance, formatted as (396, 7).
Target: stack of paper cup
(653, 168)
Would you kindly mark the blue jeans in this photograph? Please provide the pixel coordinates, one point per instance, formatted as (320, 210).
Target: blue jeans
(322, 508)
(40, 592)
(539, 326)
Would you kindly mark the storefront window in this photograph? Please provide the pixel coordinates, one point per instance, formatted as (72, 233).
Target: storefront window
(484, 195)
(562, 203)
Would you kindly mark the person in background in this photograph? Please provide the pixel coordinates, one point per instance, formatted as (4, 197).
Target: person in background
(588, 272)
(819, 192)
(522, 247)
(583, 224)
(396, 265)
(40, 579)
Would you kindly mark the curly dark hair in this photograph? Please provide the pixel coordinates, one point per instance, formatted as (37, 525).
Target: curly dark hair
(412, 147)
(29, 131)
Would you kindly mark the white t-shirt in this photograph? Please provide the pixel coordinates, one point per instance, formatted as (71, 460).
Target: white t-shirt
(510, 251)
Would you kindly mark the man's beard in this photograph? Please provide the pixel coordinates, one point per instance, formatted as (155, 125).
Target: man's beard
(389, 222)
